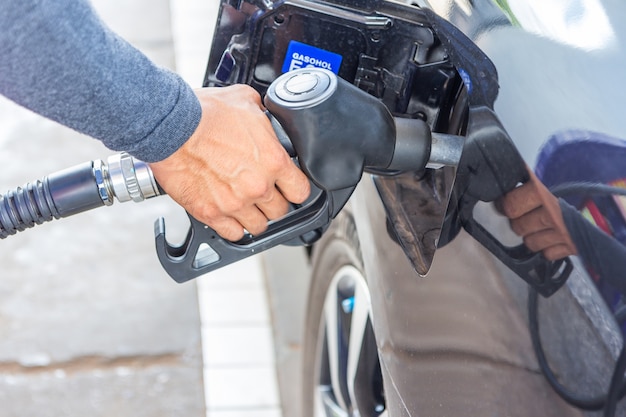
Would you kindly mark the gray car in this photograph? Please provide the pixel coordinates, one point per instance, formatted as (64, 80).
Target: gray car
(422, 299)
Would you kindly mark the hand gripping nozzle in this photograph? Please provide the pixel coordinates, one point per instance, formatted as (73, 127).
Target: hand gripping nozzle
(335, 132)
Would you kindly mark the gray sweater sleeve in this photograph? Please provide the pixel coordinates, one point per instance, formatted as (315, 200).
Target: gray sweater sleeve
(59, 60)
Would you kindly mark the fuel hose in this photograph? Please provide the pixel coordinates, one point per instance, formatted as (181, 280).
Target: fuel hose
(74, 190)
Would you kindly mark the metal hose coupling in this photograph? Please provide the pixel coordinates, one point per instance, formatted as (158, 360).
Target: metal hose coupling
(74, 190)
(125, 178)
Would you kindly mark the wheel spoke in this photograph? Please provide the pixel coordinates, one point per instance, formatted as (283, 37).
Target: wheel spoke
(359, 319)
(347, 378)
(333, 344)
(328, 405)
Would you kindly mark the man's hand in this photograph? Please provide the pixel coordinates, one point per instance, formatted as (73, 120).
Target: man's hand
(232, 173)
(535, 215)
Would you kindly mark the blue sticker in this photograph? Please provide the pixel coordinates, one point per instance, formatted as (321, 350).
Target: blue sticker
(301, 55)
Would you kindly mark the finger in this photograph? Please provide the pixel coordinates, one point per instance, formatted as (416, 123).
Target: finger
(294, 185)
(228, 228)
(554, 253)
(274, 206)
(535, 221)
(540, 241)
(252, 219)
(520, 200)
(244, 90)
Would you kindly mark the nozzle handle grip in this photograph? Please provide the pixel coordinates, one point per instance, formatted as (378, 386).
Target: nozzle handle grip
(490, 167)
(545, 276)
(313, 113)
(203, 250)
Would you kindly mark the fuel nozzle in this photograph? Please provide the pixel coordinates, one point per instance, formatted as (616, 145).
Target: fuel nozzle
(339, 131)
(74, 190)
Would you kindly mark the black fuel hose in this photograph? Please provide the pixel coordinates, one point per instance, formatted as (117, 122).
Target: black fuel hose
(593, 403)
(594, 247)
(58, 195)
(75, 190)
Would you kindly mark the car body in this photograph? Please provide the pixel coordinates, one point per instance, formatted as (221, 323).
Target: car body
(397, 331)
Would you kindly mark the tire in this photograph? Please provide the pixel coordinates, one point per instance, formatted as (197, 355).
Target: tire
(341, 368)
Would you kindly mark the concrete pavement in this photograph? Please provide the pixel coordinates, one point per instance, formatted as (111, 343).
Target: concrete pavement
(89, 322)
(91, 325)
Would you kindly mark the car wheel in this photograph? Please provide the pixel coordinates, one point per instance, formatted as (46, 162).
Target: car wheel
(341, 368)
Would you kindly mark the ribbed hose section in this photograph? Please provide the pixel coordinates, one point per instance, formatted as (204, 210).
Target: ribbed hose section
(74, 190)
(25, 207)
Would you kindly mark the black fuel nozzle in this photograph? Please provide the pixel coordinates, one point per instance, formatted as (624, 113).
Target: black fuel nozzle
(336, 129)
(490, 167)
(336, 132)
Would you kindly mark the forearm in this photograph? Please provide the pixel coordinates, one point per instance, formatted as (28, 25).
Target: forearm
(59, 60)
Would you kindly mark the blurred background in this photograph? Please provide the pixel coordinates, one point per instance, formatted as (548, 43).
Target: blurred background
(89, 322)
